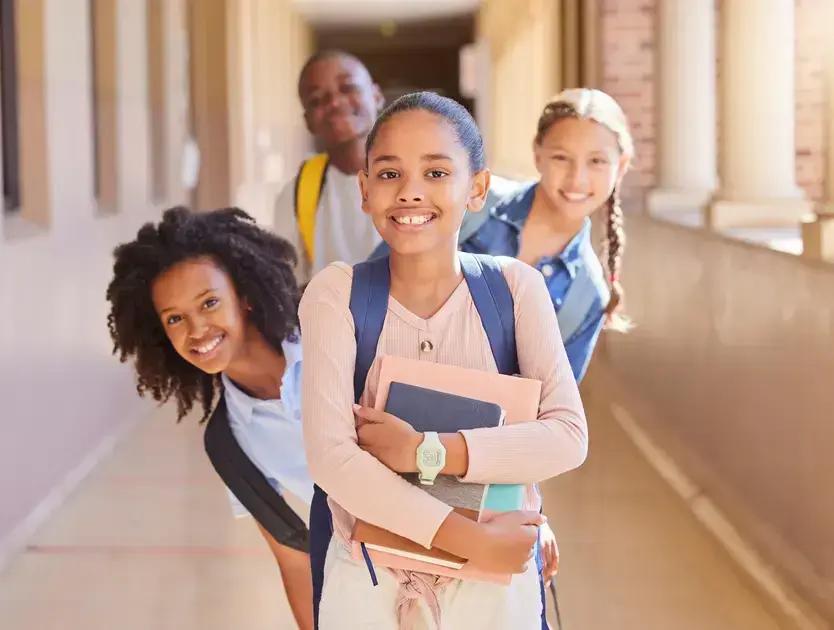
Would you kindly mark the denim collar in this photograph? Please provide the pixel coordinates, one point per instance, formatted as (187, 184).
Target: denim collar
(514, 212)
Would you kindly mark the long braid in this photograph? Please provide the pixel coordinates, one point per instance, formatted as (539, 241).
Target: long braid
(614, 246)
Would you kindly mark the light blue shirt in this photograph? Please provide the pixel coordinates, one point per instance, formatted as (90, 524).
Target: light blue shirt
(269, 431)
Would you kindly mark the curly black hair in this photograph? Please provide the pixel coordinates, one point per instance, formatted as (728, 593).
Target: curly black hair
(260, 265)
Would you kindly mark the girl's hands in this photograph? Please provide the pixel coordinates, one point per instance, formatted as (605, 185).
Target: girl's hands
(392, 441)
(508, 543)
(550, 553)
(505, 543)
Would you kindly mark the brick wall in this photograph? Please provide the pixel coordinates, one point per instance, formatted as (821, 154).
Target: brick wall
(627, 32)
(811, 29)
(629, 46)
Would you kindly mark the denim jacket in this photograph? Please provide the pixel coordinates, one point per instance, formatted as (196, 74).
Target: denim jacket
(499, 236)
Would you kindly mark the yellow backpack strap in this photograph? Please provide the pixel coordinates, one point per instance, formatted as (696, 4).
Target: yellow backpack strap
(308, 186)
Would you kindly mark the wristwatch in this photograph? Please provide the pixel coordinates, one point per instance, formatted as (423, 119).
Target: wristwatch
(431, 457)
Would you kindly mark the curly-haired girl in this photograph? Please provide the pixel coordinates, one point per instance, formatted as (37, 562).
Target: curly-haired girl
(206, 306)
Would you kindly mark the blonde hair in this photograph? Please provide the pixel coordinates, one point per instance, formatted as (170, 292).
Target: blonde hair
(598, 106)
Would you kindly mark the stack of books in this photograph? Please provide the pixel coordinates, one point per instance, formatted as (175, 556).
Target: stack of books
(447, 399)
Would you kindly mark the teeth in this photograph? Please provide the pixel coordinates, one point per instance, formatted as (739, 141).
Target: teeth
(211, 345)
(575, 196)
(418, 220)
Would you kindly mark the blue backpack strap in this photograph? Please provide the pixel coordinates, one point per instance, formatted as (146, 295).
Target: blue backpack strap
(368, 306)
(494, 303)
(321, 531)
(380, 251)
(587, 286)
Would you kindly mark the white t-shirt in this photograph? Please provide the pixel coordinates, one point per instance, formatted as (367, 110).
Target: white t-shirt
(343, 232)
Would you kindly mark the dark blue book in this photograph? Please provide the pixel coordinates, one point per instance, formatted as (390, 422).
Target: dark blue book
(431, 410)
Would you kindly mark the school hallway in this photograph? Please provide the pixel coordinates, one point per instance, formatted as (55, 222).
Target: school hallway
(705, 502)
(148, 542)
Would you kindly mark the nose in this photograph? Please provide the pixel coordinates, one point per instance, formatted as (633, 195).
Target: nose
(333, 100)
(578, 175)
(409, 193)
(197, 327)
(411, 198)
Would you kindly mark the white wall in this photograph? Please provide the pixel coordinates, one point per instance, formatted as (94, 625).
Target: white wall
(64, 395)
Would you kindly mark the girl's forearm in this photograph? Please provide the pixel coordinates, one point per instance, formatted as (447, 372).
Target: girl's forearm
(457, 454)
(460, 536)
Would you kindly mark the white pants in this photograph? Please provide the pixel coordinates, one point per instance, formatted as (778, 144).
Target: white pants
(349, 600)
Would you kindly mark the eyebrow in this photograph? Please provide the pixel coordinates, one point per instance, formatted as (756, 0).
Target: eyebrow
(428, 157)
(196, 297)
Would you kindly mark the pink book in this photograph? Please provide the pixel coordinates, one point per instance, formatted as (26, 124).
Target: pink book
(519, 397)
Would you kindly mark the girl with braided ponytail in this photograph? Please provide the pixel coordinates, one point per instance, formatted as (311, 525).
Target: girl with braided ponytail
(582, 150)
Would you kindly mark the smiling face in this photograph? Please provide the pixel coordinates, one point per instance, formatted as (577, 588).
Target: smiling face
(419, 183)
(201, 313)
(340, 100)
(580, 163)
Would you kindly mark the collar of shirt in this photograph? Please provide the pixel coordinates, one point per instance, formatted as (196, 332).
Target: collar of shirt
(514, 212)
(243, 407)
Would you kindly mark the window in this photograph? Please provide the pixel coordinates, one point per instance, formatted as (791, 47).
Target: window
(9, 105)
(104, 125)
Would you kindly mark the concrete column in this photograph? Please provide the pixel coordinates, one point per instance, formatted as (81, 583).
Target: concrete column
(687, 104)
(210, 97)
(829, 73)
(176, 89)
(36, 203)
(758, 180)
(132, 106)
(818, 235)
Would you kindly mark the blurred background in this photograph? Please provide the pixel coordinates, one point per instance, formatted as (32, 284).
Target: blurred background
(706, 501)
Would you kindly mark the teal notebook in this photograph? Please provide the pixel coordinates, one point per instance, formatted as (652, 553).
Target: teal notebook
(504, 497)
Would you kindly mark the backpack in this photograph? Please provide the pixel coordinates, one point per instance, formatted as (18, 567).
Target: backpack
(249, 485)
(368, 307)
(308, 186)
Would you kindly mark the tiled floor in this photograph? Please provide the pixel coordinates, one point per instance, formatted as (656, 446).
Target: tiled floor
(632, 555)
(147, 543)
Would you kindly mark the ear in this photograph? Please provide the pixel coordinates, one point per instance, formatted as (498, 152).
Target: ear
(379, 99)
(362, 176)
(537, 156)
(308, 123)
(478, 191)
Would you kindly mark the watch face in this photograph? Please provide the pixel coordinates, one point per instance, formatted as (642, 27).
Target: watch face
(431, 458)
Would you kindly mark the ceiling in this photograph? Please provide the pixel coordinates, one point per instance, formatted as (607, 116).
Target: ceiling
(329, 13)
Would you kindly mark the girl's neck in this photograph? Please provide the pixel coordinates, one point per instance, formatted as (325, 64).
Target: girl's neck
(423, 282)
(547, 231)
(258, 368)
(349, 157)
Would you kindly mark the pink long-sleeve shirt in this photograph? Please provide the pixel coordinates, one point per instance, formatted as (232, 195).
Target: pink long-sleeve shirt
(358, 484)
